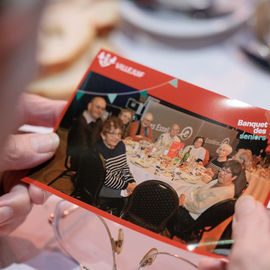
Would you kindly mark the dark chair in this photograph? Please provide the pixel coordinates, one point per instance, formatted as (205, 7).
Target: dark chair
(226, 235)
(71, 169)
(90, 177)
(151, 205)
(207, 221)
(67, 172)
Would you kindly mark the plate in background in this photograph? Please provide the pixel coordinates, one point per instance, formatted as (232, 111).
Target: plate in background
(173, 24)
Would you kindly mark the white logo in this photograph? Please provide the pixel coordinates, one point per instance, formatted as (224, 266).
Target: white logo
(226, 141)
(105, 59)
(186, 133)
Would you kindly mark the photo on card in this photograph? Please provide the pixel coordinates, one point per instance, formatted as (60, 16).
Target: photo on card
(173, 165)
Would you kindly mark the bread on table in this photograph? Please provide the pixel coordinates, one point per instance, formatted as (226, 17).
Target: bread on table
(71, 34)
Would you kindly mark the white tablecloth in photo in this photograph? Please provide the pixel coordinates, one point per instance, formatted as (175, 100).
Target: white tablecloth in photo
(143, 174)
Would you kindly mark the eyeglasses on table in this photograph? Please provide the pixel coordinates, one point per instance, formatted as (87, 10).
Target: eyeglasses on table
(88, 240)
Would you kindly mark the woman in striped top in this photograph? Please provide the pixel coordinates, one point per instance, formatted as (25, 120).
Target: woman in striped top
(118, 176)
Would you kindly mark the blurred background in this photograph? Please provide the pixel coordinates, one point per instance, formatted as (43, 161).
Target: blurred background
(220, 45)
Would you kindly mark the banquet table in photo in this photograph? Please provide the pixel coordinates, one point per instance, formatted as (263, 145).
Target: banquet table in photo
(179, 179)
(182, 178)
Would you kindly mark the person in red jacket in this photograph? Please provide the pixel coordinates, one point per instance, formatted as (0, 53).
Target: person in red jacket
(141, 130)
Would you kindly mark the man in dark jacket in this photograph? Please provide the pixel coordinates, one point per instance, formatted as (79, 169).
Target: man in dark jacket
(85, 130)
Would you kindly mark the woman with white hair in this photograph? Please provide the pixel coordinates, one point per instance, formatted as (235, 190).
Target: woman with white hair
(223, 151)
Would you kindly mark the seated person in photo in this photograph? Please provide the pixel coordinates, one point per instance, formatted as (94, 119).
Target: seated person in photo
(118, 176)
(196, 149)
(125, 116)
(223, 151)
(85, 130)
(141, 130)
(195, 201)
(165, 140)
(244, 156)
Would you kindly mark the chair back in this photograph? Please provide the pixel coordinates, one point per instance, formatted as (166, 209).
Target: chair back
(151, 205)
(210, 218)
(90, 176)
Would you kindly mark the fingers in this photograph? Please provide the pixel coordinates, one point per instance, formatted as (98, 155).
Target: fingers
(12, 178)
(249, 216)
(36, 110)
(251, 234)
(37, 195)
(212, 264)
(14, 207)
(28, 150)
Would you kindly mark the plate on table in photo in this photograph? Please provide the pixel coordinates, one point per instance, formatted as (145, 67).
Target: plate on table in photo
(167, 174)
(173, 23)
(140, 163)
(189, 178)
(130, 142)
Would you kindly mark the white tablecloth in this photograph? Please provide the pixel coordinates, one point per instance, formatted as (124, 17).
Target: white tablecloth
(33, 246)
(142, 174)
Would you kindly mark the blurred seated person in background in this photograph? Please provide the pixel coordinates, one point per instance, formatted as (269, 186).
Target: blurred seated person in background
(118, 176)
(195, 201)
(126, 116)
(141, 130)
(215, 164)
(244, 156)
(196, 150)
(166, 139)
(85, 130)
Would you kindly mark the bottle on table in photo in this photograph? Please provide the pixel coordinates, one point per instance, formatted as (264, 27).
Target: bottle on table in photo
(192, 165)
(185, 157)
(181, 154)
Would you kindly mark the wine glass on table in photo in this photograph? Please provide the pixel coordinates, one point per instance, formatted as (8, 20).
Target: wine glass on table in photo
(157, 167)
(191, 164)
(175, 173)
(153, 152)
(142, 149)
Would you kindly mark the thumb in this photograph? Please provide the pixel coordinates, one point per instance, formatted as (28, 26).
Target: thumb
(24, 151)
(249, 216)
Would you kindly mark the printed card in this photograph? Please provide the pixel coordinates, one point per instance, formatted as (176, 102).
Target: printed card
(157, 154)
